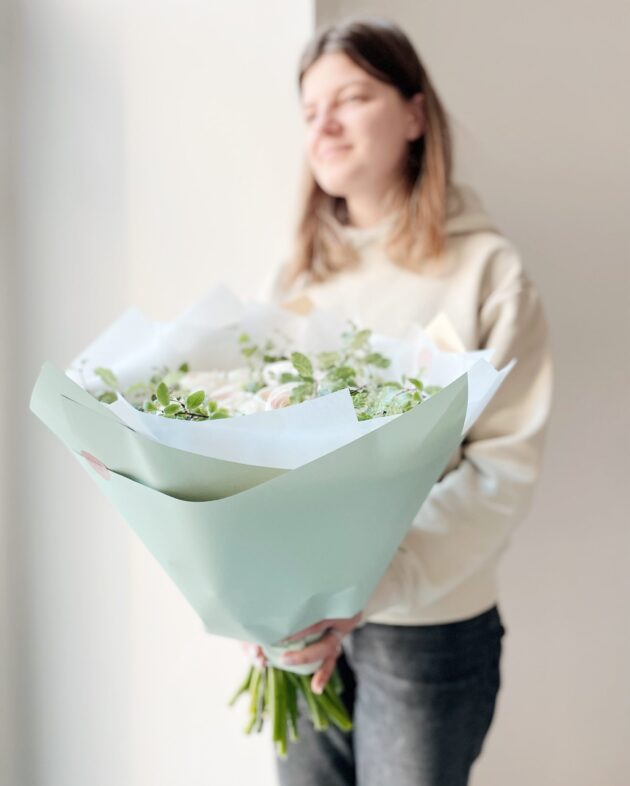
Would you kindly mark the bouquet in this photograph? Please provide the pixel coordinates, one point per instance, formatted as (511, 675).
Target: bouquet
(227, 436)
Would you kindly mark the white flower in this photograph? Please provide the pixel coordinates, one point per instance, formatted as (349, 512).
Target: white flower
(226, 388)
(251, 405)
(226, 392)
(280, 396)
(241, 375)
(202, 380)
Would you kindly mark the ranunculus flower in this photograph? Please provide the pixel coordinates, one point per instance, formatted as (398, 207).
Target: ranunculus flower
(280, 396)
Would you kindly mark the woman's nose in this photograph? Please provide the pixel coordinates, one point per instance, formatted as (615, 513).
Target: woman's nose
(326, 122)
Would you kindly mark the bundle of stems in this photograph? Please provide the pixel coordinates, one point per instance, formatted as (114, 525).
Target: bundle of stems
(273, 694)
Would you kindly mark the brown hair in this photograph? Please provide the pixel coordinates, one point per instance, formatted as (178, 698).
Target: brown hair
(380, 48)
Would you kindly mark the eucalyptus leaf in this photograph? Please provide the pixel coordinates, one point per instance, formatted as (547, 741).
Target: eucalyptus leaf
(108, 376)
(361, 338)
(162, 394)
(348, 366)
(301, 393)
(195, 399)
(327, 360)
(108, 397)
(302, 364)
(376, 359)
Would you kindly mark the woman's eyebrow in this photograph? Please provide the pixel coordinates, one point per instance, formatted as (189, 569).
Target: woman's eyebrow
(339, 89)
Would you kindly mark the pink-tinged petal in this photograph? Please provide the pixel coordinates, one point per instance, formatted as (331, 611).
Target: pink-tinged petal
(281, 396)
(265, 392)
(226, 391)
(96, 465)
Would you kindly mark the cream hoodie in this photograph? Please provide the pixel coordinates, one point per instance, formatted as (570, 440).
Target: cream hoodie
(445, 568)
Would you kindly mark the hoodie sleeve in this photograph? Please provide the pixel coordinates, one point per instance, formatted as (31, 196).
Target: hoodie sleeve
(470, 514)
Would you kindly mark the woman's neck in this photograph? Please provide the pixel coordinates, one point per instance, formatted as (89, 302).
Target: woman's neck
(367, 210)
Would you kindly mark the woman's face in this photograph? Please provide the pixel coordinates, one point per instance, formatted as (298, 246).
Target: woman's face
(358, 129)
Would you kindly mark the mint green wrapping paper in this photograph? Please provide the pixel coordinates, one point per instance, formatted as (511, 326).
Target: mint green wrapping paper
(83, 423)
(308, 544)
(273, 521)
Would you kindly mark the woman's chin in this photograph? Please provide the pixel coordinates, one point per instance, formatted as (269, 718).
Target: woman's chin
(336, 186)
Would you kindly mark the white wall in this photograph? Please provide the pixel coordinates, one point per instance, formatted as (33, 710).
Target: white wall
(536, 91)
(158, 149)
(212, 147)
(8, 697)
(213, 142)
(143, 137)
(70, 553)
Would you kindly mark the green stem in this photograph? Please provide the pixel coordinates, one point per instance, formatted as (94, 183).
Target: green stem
(274, 703)
(292, 707)
(254, 690)
(273, 693)
(243, 688)
(337, 714)
(280, 724)
(263, 700)
(320, 721)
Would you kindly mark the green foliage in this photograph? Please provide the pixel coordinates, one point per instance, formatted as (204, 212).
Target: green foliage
(139, 391)
(352, 365)
(108, 377)
(162, 394)
(195, 399)
(272, 695)
(359, 398)
(376, 359)
(108, 397)
(302, 365)
(345, 373)
(301, 392)
(327, 360)
(359, 339)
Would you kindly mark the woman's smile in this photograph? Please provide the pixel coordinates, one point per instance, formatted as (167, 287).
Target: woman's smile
(333, 152)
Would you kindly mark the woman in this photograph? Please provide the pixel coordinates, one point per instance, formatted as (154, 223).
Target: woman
(386, 237)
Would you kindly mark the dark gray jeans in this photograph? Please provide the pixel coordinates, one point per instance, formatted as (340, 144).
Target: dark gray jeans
(422, 700)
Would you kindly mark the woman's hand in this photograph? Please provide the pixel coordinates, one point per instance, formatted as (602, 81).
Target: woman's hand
(328, 648)
(254, 653)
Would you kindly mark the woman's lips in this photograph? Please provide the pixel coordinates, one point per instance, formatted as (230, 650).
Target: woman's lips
(332, 152)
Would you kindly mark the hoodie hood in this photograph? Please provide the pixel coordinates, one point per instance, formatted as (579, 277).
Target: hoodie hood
(465, 213)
